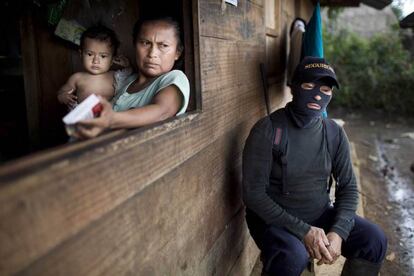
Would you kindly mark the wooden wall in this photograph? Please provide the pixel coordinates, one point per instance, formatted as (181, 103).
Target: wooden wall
(165, 200)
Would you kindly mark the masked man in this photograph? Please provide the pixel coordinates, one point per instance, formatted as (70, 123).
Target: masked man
(287, 161)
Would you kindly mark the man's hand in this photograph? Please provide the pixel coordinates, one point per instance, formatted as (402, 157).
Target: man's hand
(334, 247)
(315, 242)
(68, 98)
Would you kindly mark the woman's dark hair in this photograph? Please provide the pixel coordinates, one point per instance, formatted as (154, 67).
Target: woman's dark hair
(101, 33)
(170, 21)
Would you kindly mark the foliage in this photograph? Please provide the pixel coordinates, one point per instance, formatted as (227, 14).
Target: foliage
(397, 11)
(373, 73)
(334, 12)
(397, 8)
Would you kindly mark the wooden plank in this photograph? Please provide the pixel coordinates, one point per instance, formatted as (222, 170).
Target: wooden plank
(226, 64)
(247, 258)
(191, 53)
(288, 10)
(31, 79)
(126, 13)
(227, 248)
(306, 9)
(244, 22)
(259, 3)
(270, 14)
(156, 229)
(272, 55)
(54, 70)
(272, 32)
(39, 214)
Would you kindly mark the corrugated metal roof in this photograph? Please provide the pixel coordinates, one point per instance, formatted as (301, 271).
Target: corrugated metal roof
(378, 4)
(408, 21)
(339, 3)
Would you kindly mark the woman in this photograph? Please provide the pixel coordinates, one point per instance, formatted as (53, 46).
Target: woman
(156, 92)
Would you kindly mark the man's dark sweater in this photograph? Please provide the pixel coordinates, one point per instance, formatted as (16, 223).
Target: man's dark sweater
(308, 169)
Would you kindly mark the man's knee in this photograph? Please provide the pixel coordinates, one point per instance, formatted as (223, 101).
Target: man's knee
(370, 243)
(378, 243)
(283, 253)
(288, 261)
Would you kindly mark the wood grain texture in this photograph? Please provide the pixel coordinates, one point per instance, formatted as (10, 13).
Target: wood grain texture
(54, 70)
(247, 258)
(161, 201)
(31, 79)
(43, 209)
(241, 23)
(190, 211)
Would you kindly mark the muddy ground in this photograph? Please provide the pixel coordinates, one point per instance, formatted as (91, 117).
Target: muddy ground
(385, 148)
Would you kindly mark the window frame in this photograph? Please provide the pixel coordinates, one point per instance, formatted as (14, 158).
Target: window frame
(274, 32)
(40, 159)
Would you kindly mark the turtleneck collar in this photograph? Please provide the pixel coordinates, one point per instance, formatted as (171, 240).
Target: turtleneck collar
(301, 120)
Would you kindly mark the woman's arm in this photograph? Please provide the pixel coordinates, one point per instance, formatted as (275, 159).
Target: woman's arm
(166, 104)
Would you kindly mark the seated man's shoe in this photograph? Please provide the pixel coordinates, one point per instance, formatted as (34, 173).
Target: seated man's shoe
(360, 267)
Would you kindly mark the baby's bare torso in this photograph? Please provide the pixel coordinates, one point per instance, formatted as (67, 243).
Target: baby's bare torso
(102, 85)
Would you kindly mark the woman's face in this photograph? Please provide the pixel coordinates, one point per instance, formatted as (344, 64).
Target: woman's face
(156, 49)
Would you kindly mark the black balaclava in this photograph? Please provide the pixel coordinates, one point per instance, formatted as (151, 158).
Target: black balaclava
(310, 70)
(301, 114)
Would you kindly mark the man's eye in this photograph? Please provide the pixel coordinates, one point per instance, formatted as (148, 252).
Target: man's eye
(103, 56)
(307, 86)
(326, 90)
(89, 54)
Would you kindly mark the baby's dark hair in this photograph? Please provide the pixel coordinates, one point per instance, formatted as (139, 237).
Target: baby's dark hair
(101, 33)
(170, 21)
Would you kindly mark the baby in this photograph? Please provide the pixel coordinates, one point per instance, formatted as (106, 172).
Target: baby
(98, 48)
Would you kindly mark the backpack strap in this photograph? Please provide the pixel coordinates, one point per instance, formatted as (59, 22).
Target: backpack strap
(278, 119)
(332, 132)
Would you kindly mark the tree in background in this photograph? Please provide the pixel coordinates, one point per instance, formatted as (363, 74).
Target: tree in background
(374, 73)
(396, 7)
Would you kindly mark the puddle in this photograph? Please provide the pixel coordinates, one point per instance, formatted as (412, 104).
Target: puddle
(400, 192)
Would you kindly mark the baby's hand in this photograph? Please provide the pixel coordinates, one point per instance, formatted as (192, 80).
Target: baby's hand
(67, 98)
(121, 60)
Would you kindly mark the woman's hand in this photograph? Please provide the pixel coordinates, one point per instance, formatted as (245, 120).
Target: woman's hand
(315, 242)
(93, 127)
(68, 98)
